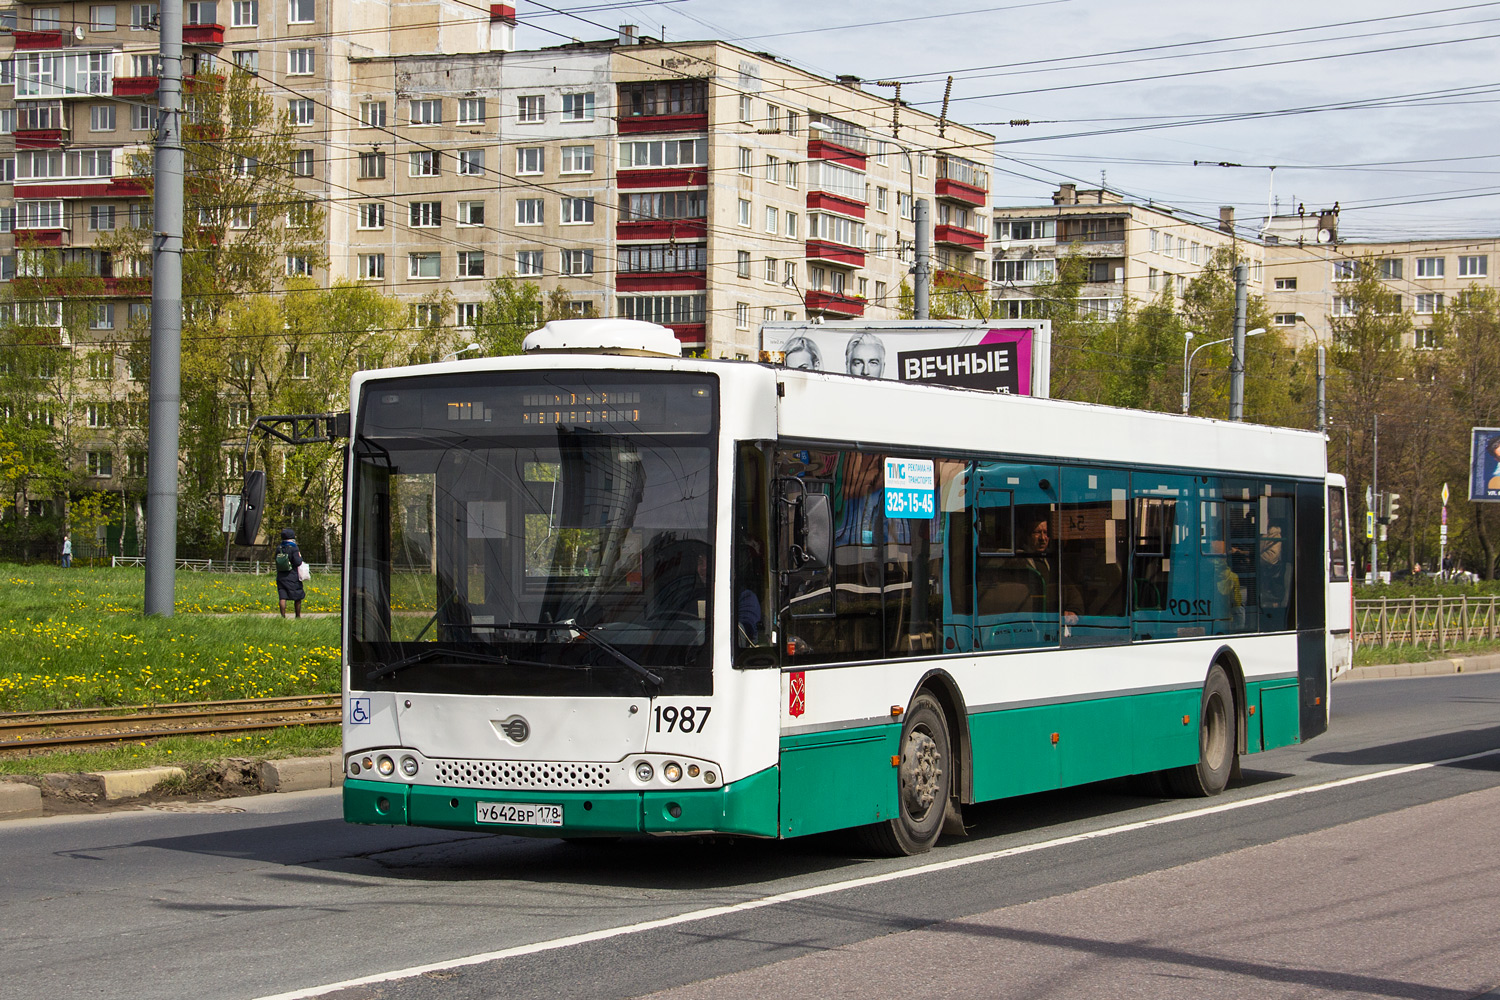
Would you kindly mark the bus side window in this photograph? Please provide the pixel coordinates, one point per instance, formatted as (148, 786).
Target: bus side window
(1093, 552)
(1275, 568)
(1165, 599)
(1338, 554)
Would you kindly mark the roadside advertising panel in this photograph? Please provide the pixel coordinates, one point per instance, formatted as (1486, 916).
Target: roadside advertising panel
(1484, 463)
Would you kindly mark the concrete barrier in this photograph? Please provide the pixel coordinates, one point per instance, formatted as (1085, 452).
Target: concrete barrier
(117, 785)
(19, 800)
(300, 774)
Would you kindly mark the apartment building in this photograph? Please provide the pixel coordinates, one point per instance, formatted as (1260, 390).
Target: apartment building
(1309, 270)
(1133, 251)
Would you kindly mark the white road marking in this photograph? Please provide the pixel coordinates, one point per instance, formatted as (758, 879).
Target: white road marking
(708, 913)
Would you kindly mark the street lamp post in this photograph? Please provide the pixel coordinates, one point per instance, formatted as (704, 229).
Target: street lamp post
(1187, 339)
(1187, 374)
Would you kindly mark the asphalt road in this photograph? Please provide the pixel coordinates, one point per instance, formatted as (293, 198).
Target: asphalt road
(1342, 868)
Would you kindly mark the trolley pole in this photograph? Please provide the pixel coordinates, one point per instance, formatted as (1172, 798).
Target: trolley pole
(921, 274)
(1237, 365)
(1322, 389)
(166, 324)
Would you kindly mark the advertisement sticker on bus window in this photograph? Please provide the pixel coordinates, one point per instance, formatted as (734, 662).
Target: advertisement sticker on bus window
(910, 488)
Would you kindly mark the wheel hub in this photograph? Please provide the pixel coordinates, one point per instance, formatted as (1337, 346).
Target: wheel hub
(921, 772)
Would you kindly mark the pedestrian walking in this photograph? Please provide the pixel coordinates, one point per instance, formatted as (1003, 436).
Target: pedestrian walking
(289, 574)
(67, 553)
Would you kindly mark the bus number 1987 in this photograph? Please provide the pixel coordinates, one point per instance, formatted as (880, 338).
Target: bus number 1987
(687, 719)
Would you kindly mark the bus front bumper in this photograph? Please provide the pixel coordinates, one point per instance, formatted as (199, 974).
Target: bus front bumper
(747, 807)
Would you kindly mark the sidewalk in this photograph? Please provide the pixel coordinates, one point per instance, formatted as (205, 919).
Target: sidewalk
(1451, 665)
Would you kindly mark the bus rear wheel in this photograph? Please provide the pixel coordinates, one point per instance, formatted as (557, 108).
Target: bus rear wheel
(924, 781)
(1218, 742)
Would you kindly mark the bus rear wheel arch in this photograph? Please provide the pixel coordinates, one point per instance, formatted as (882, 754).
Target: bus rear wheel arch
(924, 782)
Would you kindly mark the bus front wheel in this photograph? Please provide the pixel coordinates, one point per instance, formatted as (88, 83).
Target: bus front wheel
(1218, 740)
(924, 781)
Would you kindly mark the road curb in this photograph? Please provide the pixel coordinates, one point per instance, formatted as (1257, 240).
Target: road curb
(19, 800)
(1427, 668)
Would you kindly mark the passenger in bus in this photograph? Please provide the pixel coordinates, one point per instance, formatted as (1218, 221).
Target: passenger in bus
(1042, 558)
(1276, 581)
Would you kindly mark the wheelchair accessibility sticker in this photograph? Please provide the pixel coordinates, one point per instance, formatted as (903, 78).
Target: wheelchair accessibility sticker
(359, 711)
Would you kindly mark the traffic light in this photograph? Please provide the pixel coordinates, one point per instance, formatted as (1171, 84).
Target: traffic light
(1388, 507)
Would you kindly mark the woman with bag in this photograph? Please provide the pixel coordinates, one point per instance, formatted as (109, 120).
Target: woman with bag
(290, 572)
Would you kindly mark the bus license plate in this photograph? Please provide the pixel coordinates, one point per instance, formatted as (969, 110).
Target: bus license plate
(520, 814)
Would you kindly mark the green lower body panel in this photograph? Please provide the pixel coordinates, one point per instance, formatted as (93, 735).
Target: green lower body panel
(748, 806)
(834, 780)
(1276, 722)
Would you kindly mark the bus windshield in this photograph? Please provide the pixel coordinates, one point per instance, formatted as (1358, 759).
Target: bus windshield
(544, 533)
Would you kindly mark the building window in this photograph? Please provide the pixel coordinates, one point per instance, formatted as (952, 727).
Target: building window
(372, 114)
(745, 108)
(880, 293)
(471, 111)
(424, 265)
(102, 18)
(1344, 306)
(471, 213)
(1390, 268)
(1286, 284)
(1345, 270)
(427, 112)
(244, 13)
(773, 220)
(577, 211)
(773, 117)
(577, 159)
(246, 60)
(299, 11)
(793, 122)
(1284, 319)
(1474, 267)
(744, 212)
(102, 118)
(469, 314)
(299, 62)
(102, 316)
(791, 174)
(773, 169)
(655, 258)
(578, 262)
(426, 214)
(529, 212)
(101, 366)
(530, 159)
(143, 16)
(529, 262)
(301, 111)
(471, 263)
(742, 315)
(578, 107)
(371, 166)
(143, 117)
(424, 163)
(1429, 267)
(301, 364)
(372, 266)
(770, 271)
(531, 110)
(298, 265)
(101, 218)
(1426, 340)
(745, 161)
(302, 163)
(135, 464)
(239, 414)
(372, 215)
(100, 464)
(791, 225)
(1428, 304)
(471, 162)
(742, 263)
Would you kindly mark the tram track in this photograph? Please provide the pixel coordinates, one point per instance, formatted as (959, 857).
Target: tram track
(65, 728)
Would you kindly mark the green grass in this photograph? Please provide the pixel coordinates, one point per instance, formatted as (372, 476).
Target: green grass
(1375, 656)
(77, 638)
(182, 751)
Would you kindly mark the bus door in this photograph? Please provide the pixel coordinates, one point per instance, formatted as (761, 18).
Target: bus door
(1016, 574)
(1340, 595)
(1166, 598)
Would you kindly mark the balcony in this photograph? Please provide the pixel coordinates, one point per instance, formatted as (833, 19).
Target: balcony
(662, 229)
(40, 138)
(835, 253)
(831, 149)
(41, 237)
(958, 280)
(955, 236)
(819, 300)
(39, 39)
(962, 180)
(662, 281)
(639, 124)
(202, 34)
(841, 204)
(692, 335)
(667, 177)
(135, 86)
(959, 191)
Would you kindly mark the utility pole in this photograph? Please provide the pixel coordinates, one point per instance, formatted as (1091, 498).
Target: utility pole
(166, 323)
(1322, 389)
(1375, 498)
(1237, 365)
(921, 275)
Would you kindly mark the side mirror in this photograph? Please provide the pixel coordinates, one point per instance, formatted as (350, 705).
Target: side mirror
(806, 528)
(252, 500)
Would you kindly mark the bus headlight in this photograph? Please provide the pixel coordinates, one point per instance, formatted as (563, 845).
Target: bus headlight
(409, 766)
(385, 766)
(644, 771)
(672, 771)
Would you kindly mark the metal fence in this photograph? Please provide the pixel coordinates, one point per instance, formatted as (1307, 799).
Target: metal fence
(223, 566)
(1430, 622)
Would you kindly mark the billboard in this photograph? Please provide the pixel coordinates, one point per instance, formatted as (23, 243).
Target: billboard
(1011, 356)
(1484, 463)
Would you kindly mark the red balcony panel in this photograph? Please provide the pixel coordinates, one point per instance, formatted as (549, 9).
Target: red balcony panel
(126, 187)
(668, 177)
(959, 191)
(38, 39)
(674, 281)
(128, 288)
(844, 305)
(39, 237)
(663, 229)
(834, 253)
(822, 149)
(663, 123)
(835, 203)
(954, 236)
(135, 86)
(962, 280)
(692, 335)
(39, 138)
(202, 34)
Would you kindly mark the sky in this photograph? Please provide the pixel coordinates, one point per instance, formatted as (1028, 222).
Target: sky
(1385, 108)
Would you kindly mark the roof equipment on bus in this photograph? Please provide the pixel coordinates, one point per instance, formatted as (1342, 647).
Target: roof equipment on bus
(604, 336)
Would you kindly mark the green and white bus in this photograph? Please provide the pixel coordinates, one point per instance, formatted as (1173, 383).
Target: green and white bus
(605, 592)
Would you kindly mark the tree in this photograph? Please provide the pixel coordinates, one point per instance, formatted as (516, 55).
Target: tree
(1468, 370)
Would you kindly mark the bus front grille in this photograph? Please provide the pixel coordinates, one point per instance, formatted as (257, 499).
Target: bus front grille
(524, 774)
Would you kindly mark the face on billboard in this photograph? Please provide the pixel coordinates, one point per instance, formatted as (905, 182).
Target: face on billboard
(867, 358)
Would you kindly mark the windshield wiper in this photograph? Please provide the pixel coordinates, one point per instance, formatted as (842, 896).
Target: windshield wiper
(459, 654)
(588, 634)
